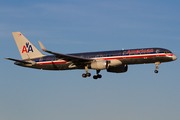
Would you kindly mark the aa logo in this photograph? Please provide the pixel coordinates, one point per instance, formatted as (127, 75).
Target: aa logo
(27, 48)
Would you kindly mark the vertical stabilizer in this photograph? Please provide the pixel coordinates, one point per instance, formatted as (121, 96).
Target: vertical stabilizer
(26, 48)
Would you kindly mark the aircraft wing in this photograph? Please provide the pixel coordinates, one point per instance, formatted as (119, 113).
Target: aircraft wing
(65, 56)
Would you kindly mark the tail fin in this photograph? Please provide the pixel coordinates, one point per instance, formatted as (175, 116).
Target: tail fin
(26, 48)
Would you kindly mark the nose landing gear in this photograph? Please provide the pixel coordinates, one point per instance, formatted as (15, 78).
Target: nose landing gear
(157, 63)
(156, 71)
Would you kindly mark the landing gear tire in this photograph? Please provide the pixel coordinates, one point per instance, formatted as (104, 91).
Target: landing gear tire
(88, 74)
(97, 76)
(84, 75)
(156, 71)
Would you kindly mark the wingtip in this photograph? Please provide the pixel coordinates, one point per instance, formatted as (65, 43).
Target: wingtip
(42, 47)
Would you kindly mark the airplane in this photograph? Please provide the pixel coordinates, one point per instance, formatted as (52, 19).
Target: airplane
(113, 61)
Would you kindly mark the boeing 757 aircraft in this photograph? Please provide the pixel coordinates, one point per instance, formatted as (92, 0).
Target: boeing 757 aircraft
(113, 61)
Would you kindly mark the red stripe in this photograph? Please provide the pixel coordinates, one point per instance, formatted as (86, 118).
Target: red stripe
(55, 62)
(130, 57)
(121, 57)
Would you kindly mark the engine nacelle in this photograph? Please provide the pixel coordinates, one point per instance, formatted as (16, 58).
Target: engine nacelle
(99, 65)
(118, 69)
(115, 62)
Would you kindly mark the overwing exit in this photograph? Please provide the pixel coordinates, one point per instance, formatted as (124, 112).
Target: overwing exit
(113, 61)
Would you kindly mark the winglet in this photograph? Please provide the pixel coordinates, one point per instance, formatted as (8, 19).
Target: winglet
(42, 47)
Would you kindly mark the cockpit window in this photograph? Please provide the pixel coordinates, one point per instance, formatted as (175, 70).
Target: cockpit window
(166, 52)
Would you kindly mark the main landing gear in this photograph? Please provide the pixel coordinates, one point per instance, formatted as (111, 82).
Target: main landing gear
(86, 74)
(89, 74)
(157, 63)
(98, 75)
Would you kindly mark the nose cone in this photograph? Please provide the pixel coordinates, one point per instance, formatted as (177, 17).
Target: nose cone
(174, 57)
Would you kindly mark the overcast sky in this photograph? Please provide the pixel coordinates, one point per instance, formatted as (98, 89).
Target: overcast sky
(72, 26)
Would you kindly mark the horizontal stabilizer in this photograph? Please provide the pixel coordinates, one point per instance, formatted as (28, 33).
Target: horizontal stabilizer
(21, 61)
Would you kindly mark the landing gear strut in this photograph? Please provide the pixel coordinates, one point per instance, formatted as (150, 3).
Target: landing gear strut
(157, 63)
(86, 74)
(98, 75)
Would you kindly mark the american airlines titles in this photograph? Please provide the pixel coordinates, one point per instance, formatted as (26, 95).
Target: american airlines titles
(139, 51)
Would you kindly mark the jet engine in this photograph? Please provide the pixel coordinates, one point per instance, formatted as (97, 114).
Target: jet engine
(100, 65)
(115, 62)
(118, 69)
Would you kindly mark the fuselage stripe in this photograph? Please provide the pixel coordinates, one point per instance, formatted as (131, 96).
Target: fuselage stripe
(111, 58)
(51, 62)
